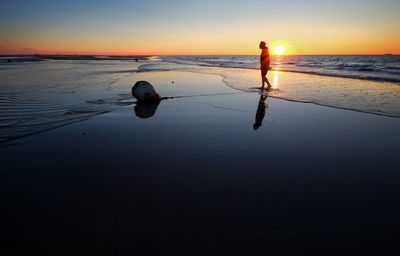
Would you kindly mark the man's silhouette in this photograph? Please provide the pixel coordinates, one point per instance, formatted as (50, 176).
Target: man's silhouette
(265, 64)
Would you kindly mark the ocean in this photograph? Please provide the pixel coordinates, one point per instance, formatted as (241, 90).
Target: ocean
(38, 94)
(368, 67)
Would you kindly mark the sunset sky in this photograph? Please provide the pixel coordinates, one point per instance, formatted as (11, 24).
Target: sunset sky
(199, 27)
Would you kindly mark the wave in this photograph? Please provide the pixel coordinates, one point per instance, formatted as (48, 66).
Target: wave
(351, 76)
(373, 68)
(316, 72)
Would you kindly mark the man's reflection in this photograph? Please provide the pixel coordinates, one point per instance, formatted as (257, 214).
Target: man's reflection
(260, 112)
(146, 109)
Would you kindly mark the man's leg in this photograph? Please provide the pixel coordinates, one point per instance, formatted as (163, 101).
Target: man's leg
(269, 85)
(265, 79)
(262, 79)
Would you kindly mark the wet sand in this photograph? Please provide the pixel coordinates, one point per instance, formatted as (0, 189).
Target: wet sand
(196, 175)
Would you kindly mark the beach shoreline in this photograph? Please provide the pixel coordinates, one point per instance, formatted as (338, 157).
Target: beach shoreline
(61, 92)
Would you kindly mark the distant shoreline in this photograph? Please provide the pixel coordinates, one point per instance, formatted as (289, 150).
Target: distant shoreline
(80, 57)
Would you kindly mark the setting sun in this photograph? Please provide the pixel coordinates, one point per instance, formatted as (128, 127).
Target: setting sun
(279, 50)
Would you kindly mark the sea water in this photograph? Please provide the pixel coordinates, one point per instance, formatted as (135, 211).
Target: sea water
(369, 67)
(37, 95)
(312, 79)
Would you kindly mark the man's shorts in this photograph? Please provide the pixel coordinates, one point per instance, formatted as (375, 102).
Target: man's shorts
(264, 70)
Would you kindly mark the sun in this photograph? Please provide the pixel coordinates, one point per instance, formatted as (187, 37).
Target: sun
(279, 50)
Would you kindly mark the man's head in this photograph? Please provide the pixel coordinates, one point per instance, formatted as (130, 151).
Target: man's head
(262, 45)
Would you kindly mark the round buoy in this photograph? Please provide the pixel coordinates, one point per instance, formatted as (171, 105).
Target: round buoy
(144, 91)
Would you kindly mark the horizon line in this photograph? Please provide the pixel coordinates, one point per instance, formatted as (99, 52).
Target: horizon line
(151, 55)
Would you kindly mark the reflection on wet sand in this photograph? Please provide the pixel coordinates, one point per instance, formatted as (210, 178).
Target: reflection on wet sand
(275, 81)
(260, 112)
(146, 109)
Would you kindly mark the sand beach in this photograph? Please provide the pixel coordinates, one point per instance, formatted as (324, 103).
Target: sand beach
(215, 169)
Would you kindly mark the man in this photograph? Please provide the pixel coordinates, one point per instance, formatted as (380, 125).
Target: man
(265, 64)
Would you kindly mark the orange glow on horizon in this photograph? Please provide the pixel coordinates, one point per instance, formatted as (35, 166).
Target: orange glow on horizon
(202, 46)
